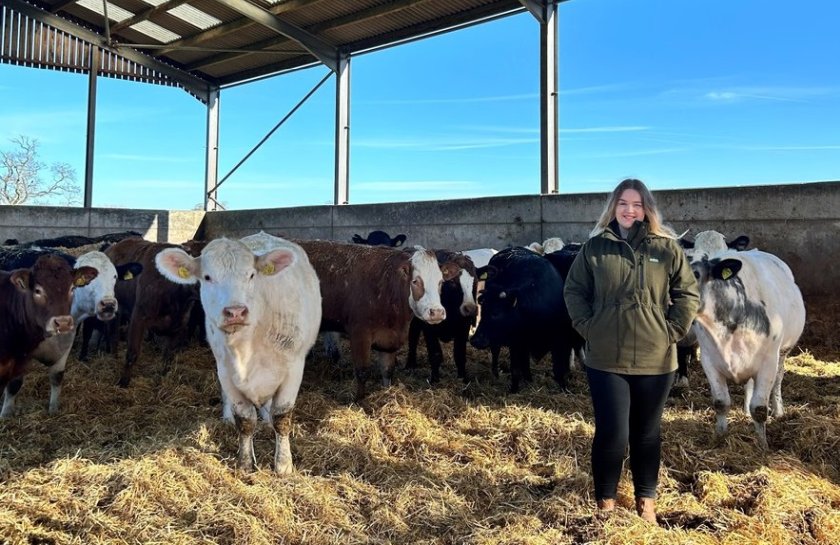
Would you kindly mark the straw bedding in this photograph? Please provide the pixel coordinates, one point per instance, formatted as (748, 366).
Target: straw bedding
(411, 464)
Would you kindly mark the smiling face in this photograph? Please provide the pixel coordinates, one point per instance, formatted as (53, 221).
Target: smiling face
(629, 208)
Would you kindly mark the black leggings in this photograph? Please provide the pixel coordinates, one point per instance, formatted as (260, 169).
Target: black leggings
(628, 408)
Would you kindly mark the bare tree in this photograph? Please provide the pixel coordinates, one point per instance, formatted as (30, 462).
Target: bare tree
(25, 179)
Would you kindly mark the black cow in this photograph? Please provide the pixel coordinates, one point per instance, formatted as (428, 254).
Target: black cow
(458, 298)
(522, 307)
(380, 238)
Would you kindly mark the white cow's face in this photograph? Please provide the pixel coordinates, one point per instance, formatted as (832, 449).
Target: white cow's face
(229, 274)
(468, 306)
(97, 298)
(426, 282)
(707, 244)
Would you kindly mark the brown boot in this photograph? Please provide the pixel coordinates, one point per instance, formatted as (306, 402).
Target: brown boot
(606, 504)
(646, 508)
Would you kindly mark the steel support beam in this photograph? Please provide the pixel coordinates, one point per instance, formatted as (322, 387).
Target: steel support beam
(322, 51)
(211, 168)
(342, 130)
(91, 126)
(549, 149)
(194, 85)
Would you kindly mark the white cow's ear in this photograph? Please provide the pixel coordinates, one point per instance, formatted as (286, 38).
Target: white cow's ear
(273, 262)
(176, 265)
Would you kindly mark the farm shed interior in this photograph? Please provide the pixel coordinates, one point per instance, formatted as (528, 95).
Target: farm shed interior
(204, 46)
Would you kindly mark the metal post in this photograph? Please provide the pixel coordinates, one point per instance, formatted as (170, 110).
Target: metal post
(91, 125)
(211, 168)
(548, 101)
(342, 130)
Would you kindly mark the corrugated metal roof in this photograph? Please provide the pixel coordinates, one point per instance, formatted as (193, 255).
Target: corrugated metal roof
(212, 43)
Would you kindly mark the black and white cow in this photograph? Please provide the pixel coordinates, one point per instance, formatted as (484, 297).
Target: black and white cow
(523, 308)
(706, 243)
(751, 315)
(380, 238)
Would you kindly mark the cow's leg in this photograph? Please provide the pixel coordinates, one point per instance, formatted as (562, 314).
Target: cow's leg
(764, 382)
(495, 350)
(360, 343)
(683, 361)
(459, 352)
(282, 409)
(245, 418)
(387, 364)
(519, 366)
(136, 330)
(332, 347)
(721, 400)
(560, 356)
(749, 389)
(414, 330)
(87, 333)
(10, 393)
(435, 353)
(777, 408)
(56, 374)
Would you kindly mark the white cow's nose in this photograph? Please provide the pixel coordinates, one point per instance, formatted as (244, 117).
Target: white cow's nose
(436, 315)
(236, 313)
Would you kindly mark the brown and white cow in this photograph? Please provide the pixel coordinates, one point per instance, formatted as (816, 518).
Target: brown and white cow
(94, 299)
(458, 298)
(371, 293)
(35, 304)
(153, 303)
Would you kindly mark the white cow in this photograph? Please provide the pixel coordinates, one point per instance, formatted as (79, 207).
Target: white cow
(751, 315)
(549, 245)
(95, 299)
(262, 302)
(480, 256)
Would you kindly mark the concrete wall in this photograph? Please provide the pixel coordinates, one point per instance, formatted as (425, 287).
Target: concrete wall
(798, 222)
(27, 223)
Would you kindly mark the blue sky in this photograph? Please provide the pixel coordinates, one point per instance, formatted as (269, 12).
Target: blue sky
(679, 94)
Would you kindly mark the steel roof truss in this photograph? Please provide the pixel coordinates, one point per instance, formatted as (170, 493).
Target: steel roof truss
(146, 14)
(194, 85)
(323, 51)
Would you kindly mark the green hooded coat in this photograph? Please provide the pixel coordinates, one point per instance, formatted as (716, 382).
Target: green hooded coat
(632, 300)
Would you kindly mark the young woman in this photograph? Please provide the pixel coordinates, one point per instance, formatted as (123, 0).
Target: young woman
(631, 294)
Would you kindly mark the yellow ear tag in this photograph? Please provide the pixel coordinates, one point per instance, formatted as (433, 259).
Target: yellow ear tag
(267, 269)
(80, 281)
(726, 273)
(183, 272)
(129, 276)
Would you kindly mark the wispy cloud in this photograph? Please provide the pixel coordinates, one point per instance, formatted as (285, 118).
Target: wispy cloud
(829, 147)
(417, 185)
(536, 130)
(594, 89)
(148, 158)
(581, 130)
(443, 144)
(459, 100)
(720, 93)
(155, 183)
(637, 153)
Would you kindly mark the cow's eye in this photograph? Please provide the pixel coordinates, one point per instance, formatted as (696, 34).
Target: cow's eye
(252, 276)
(207, 278)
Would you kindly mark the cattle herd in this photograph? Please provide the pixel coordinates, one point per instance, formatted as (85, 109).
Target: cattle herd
(263, 300)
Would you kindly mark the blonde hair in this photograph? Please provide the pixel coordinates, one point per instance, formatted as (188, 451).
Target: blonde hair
(652, 215)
